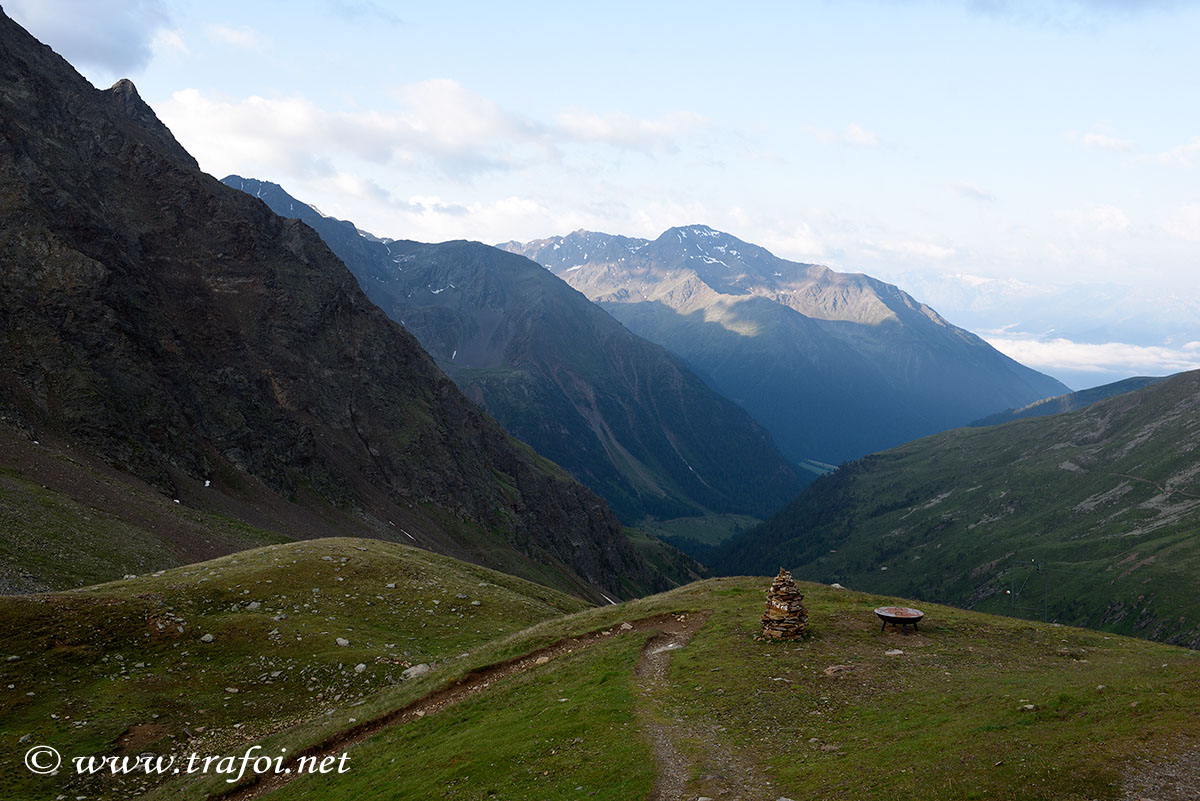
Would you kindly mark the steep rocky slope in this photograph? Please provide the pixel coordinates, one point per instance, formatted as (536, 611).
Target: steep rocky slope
(189, 336)
(834, 365)
(621, 414)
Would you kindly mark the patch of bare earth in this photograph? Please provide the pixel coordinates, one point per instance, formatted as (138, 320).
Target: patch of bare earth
(691, 761)
(1173, 779)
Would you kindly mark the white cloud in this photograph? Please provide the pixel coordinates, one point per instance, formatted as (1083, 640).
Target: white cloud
(1103, 142)
(1099, 218)
(622, 130)
(168, 41)
(243, 36)
(964, 189)
(444, 126)
(1067, 15)
(924, 250)
(431, 218)
(1060, 354)
(1186, 223)
(1185, 155)
(438, 125)
(447, 119)
(853, 134)
(363, 11)
(115, 36)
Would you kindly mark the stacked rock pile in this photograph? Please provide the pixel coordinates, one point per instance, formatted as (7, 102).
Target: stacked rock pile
(785, 618)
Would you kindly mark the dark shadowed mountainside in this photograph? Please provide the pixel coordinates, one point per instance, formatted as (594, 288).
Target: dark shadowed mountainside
(834, 365)
(191, 338)
(619, 413)
(1093, 517)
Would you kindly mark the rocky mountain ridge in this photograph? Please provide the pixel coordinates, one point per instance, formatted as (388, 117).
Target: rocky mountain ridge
(185, 333)
(834, 365)
(621, 414)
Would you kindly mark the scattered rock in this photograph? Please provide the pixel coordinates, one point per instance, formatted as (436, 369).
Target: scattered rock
(254, 606)
(415, 671)
(838, 670)
(391, 585)
(894, 652)
(342, 641)
(206, 638)
(837, 586)
(785, 618)
(360, 667)
(541, 660)
(626, 626)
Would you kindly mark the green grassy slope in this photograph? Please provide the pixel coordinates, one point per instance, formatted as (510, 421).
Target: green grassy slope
(121, 667)
(1108, 498)
(975, 706)
(67, 520)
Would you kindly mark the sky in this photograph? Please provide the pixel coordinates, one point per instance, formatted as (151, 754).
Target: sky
(1030, 169)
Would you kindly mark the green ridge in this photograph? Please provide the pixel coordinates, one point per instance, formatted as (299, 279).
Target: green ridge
(1106, 498)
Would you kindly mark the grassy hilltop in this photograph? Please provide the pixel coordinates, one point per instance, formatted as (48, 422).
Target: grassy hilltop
(975, 706)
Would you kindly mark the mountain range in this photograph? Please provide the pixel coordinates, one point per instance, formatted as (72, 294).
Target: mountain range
(834, 365)
(1093, 512)
(179, 331)
(619, 413)
(186, 375)
(1069, 402)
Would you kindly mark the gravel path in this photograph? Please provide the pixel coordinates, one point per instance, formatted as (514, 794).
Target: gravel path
(475, 682)
(1176, 779)
(719, 773)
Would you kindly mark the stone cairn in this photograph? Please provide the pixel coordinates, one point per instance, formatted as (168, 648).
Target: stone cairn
(785, 618)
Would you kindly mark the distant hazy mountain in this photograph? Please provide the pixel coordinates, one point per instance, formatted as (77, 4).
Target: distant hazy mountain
(1152, 325)
(835, 365)
(621, 414)
(1106, 498)
(1069, 402)
(185, 335)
